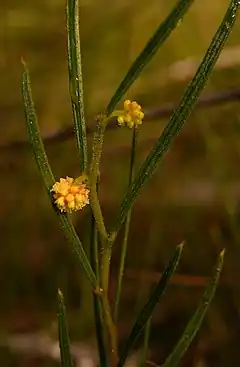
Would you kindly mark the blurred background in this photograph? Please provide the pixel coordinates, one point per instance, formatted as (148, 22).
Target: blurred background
(194, 196)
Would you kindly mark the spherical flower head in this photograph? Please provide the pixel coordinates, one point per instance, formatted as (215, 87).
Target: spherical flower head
(132, 114)
(70, 195)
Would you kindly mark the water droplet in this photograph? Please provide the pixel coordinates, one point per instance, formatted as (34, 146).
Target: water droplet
(180, 21)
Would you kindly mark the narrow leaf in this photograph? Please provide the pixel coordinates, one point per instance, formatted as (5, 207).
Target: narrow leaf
(75, 80)
(63, 335)
(181, 114)
(47, 175)
(197, 319)
(148, 309)
(158, 38)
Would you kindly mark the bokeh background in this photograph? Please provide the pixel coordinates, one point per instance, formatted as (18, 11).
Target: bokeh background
(194, 196)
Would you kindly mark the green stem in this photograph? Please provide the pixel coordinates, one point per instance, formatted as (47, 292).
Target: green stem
(94, 248)
(105, 266)
(96, 301)
(146, 338)
(145, 344)
(97, 212)
(63, 333)
(93, 176)
(110, 326)
(96, 208)
(126, 230)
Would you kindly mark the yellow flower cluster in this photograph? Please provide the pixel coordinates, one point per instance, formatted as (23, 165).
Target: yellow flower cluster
(70, 194)
(132, 114)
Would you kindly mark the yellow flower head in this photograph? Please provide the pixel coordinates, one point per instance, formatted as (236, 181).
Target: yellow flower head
(70, 194)
(132, 114)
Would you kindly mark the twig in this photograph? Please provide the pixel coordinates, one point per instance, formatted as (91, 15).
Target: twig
(209, 100)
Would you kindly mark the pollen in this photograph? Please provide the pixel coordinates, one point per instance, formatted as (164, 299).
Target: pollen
(70, 195)
(132, 115)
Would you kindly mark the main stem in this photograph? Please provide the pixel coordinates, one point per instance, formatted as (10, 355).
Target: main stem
(97, 305)
(104, 239)
(110, 327)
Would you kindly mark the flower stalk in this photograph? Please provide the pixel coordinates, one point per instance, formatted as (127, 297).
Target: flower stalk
(126, 228)
(93, 177)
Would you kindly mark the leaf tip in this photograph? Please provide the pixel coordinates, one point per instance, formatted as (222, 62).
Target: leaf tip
(60, 293)
(25, 73)
(180, 247)
(222, 253)
(23, 62)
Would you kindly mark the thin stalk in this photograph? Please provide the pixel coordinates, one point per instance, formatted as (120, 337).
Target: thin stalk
(63, 333)
(107, 317)
(94, 201)
(110, 327)
(99, 330)
(75, 81)
(108, 324)
(94, 248)
(94, 256)
(105, 266)
(145, 344)
(93, 176)
(126, 230)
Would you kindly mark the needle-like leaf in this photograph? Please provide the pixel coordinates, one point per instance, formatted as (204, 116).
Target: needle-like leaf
(75, 80)
(181, 113)
(63, 335)
(148, 309)
(47, 175)
(161, 34)
(197, 319)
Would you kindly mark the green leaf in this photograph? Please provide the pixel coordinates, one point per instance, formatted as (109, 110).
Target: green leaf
(197, 319)
(148, 309)
(75, 80)
(63, 335)
(181, 113)
(48, 178)
(161, 34)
